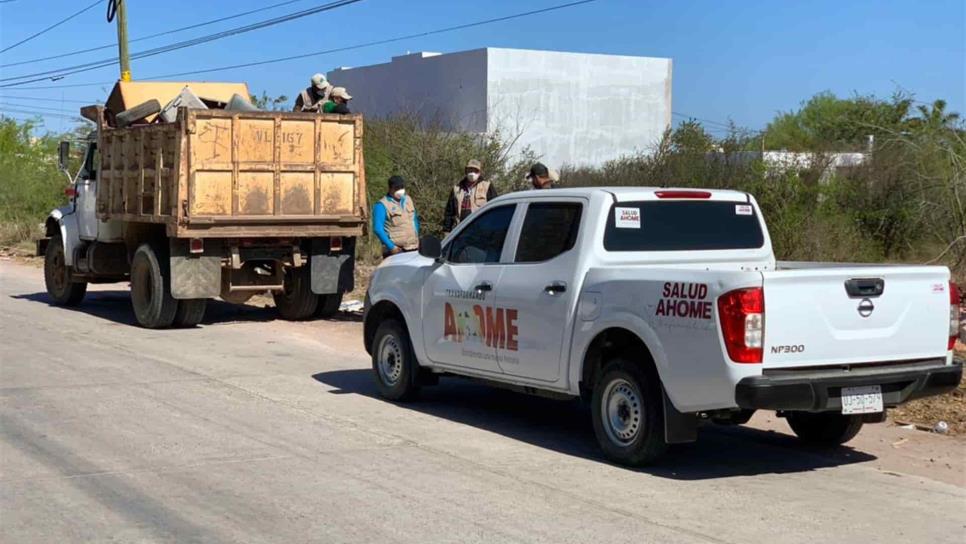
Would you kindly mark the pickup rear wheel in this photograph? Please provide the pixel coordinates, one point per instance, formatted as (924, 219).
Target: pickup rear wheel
(827, 429)
(393, 361)
(297, 301)
(154, 307)
(628, 414)
(61, 288)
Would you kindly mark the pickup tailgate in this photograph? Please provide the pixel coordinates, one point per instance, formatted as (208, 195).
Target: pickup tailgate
(823, 314)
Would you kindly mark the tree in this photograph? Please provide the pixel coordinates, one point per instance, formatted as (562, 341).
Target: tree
(273, 103)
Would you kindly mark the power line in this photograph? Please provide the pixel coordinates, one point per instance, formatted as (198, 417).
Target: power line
(379, 42)
(61, 72)
(51, 27)
(165, 33)
(328, 51)
(46, 99)
(4, 111)
(44, 108)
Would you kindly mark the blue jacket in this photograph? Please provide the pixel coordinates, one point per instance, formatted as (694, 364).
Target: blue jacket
(379, 223)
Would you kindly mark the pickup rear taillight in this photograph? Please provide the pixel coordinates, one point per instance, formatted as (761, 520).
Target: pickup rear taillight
(742, 316)
(677, 193)
(953, 315)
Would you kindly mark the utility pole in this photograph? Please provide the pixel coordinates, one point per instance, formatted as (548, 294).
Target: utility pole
(119, 8)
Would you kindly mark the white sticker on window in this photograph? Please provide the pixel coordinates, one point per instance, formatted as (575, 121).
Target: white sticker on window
(743, 209)
(627, 218)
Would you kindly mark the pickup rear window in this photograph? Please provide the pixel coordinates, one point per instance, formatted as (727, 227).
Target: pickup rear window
(682, 225)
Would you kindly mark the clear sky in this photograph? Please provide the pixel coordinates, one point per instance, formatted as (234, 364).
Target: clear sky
(739, 60)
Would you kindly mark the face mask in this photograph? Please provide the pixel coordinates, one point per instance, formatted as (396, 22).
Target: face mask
(472, 177)
(399, 194)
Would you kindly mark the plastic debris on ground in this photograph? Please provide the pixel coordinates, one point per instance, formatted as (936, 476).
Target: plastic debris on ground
(352, 306)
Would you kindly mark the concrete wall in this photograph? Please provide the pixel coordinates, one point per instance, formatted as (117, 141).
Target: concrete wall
(576, 108)
(568, 108)
(446, 89)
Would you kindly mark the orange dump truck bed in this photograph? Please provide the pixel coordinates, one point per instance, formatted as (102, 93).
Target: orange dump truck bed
(218, 173)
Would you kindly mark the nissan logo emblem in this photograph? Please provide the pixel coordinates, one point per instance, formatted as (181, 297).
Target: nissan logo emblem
(866, 307)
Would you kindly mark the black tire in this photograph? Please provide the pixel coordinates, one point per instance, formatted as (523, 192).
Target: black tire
(61, 288)
(190, 312)
(628, 414)
(393, 361)
(154, 307)
(827, 429)
(137, 113)
(328, 305)
(297, 302)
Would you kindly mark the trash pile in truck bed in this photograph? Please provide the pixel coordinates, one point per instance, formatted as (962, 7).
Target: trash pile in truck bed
(151, 111)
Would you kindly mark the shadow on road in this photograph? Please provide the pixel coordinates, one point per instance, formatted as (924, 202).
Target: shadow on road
(116, 306)
(565, 427)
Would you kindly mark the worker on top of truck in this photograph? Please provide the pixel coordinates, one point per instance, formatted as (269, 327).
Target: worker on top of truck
(338, 101)
(470, 194)
(542, 177)
(394, 220)
(313, 97)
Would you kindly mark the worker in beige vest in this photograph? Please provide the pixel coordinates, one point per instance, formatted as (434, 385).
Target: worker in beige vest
(315, 95)
(394, 220)
(469, 195)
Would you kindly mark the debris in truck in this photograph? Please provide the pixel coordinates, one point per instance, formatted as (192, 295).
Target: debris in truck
(137, 114)
(185, 98)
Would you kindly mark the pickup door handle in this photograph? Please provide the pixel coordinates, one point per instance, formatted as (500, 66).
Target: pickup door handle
(864, 287)
(556, 287)
(484, 287)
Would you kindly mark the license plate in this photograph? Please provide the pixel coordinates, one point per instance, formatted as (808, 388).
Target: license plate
(866, 399)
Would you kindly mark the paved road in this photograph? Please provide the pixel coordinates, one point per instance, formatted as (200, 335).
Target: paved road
(248, 429)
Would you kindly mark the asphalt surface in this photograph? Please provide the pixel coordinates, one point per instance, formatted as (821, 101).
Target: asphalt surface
(249, 429)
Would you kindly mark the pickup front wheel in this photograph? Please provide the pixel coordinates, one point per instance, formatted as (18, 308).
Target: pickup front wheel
(393, 361)
(824, 428)
(628, 414)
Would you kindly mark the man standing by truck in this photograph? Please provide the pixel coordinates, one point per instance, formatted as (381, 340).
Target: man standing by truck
(314, 96)
(542, 177)
(470, 194)
(394, 220)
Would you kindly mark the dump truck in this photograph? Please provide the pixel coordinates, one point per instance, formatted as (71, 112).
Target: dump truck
(214, 203)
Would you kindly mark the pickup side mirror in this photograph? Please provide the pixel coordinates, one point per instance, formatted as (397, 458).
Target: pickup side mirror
(63, 156)
(429, 246)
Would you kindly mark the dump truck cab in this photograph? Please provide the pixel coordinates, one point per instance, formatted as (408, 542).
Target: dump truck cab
(219, 200)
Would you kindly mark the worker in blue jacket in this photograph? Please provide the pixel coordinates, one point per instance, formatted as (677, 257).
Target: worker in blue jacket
(394, 220)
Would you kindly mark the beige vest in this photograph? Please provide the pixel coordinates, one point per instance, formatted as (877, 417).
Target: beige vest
(399, 222)
(477, 196)
(308, 104)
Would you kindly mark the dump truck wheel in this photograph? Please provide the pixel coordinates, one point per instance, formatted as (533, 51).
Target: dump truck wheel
(190, 312)
(154, 307)
(61, 288)
(824, 429)
(328, 305)
(297, 301)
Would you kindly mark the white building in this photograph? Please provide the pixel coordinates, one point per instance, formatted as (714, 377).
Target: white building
(569, 108)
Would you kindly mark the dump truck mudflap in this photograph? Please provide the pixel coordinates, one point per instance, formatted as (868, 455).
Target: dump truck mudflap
(332, 268)
(193, 276)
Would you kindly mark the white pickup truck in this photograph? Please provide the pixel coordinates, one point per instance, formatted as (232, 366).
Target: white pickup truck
(662, 307)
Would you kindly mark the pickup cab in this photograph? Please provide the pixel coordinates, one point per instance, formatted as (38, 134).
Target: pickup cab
(662, 308)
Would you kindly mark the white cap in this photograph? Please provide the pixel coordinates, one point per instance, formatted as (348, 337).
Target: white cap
(319, 82)
(339, 92)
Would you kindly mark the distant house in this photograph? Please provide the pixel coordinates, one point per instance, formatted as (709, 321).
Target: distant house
(783, 161)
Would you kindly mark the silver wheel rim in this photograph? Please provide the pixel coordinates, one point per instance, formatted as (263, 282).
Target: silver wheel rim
(390, 360)
(622, 411)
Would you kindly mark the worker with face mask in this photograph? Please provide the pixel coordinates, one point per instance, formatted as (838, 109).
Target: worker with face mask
(470, 194)
(394, 220)
(315, 95)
